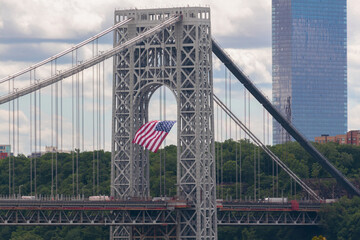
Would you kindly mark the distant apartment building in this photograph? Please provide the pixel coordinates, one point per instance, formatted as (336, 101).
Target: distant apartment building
(5, 151)
(48, 149)
(351, 138)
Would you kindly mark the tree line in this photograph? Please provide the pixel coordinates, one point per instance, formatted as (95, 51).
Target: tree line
(340, 220)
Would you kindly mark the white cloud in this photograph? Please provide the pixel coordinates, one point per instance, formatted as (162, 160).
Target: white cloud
(255, 63)
(241, 18)
(354, 86)
(52, 19)
(354, 116)
(353, 12)
(68, 18)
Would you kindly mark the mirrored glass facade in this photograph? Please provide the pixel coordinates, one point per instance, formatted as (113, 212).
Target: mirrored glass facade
(309, 44)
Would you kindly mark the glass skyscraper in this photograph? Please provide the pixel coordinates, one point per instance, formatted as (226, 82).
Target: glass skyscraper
(309, 57)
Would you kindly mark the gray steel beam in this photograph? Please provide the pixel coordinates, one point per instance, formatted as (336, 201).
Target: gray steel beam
(235, 70)
(140, 218)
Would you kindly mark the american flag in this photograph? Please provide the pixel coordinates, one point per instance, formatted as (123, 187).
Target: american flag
(152, 134)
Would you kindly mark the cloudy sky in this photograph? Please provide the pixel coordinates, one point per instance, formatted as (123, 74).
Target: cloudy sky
(32, 30)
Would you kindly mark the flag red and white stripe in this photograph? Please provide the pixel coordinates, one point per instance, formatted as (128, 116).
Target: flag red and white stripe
(152, 134)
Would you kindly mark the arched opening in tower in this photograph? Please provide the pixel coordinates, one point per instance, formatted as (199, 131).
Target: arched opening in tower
(163, 164)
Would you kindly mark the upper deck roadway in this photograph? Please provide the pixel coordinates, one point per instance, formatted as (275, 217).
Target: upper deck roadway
(139, 212)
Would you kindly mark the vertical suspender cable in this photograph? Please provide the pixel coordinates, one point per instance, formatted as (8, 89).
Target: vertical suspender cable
(13, 127)
(245, 120)
(40, 121)
(35, 156)
(217, 152)
(268, 127)
(61, 115)
(72, 130)
(98, 121)
(93, 97)
(77, 132)
(164, 143)
(230, 122)
(82, 108)
(240, 163)
(277, 180)
(160, 158)
(249, 98)
(230, 100)
(226, 103)
(103, 105)
(56, 133)
(10, 136)
(17, 117)
(236, 164)
(264, 140)
(273, 177)
(254, 152)
(52, 137)
(258, 150)
(77, 128)
(221, 158)
(31, 159)
(35, 129)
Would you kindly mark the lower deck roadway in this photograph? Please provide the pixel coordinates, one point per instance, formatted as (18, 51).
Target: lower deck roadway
(114, 212)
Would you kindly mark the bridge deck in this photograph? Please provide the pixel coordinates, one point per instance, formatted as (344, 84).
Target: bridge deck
(115, 212)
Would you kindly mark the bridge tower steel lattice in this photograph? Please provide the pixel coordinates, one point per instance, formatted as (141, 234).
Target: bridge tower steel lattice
(180, 58)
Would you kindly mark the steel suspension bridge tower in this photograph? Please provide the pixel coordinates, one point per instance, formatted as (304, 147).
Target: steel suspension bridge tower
(180, 58)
